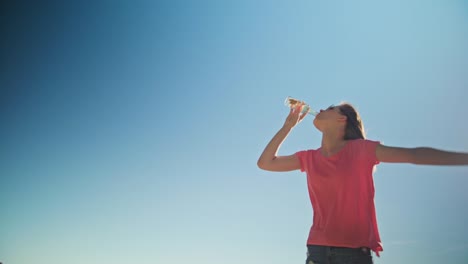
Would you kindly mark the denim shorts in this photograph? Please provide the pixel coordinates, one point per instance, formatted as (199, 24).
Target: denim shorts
(338, 255)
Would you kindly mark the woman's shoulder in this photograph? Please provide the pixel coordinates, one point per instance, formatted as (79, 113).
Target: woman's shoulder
(363, 144)
(363, 141)
(307, 152)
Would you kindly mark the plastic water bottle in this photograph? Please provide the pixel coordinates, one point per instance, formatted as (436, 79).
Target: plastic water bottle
(292, 102)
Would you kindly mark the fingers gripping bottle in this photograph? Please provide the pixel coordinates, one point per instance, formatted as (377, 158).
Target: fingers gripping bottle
(292, 102)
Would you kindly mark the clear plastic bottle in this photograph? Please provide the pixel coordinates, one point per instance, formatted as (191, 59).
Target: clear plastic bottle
(292, 102)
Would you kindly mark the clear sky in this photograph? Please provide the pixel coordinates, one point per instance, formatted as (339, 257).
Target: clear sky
(130, 130)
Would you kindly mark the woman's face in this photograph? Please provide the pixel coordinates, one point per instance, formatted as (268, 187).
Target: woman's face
(331, 111)
(329, 116)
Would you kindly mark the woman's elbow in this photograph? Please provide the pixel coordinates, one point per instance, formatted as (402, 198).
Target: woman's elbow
(262, 165)
(259, 164)
(267, 165)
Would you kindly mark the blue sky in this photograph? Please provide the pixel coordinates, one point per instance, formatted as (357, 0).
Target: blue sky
(131, 129)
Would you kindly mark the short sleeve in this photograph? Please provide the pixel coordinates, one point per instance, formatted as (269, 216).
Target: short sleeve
(303, 157)
(369, 147)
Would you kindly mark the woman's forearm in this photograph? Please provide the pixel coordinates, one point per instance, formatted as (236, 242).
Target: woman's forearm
(270, 151)
(431, 156)
(268, 159)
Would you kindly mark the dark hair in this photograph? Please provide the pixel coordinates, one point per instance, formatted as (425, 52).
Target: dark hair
(354, 125)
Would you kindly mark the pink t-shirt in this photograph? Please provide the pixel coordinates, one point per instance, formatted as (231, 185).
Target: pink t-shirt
(341, 189)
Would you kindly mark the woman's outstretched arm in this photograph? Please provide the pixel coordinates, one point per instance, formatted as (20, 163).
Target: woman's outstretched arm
(420, 155)
(268, 159)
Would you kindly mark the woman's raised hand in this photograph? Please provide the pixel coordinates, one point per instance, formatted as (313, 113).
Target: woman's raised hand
(295, 116)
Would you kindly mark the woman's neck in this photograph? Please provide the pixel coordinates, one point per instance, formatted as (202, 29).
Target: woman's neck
(332, 143)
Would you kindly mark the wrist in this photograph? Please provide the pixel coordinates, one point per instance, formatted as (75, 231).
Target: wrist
(287, 127)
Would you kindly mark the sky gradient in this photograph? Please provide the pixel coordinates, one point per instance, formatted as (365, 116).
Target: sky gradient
(131, 129)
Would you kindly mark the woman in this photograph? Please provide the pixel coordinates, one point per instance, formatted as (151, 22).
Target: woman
(340, 182)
